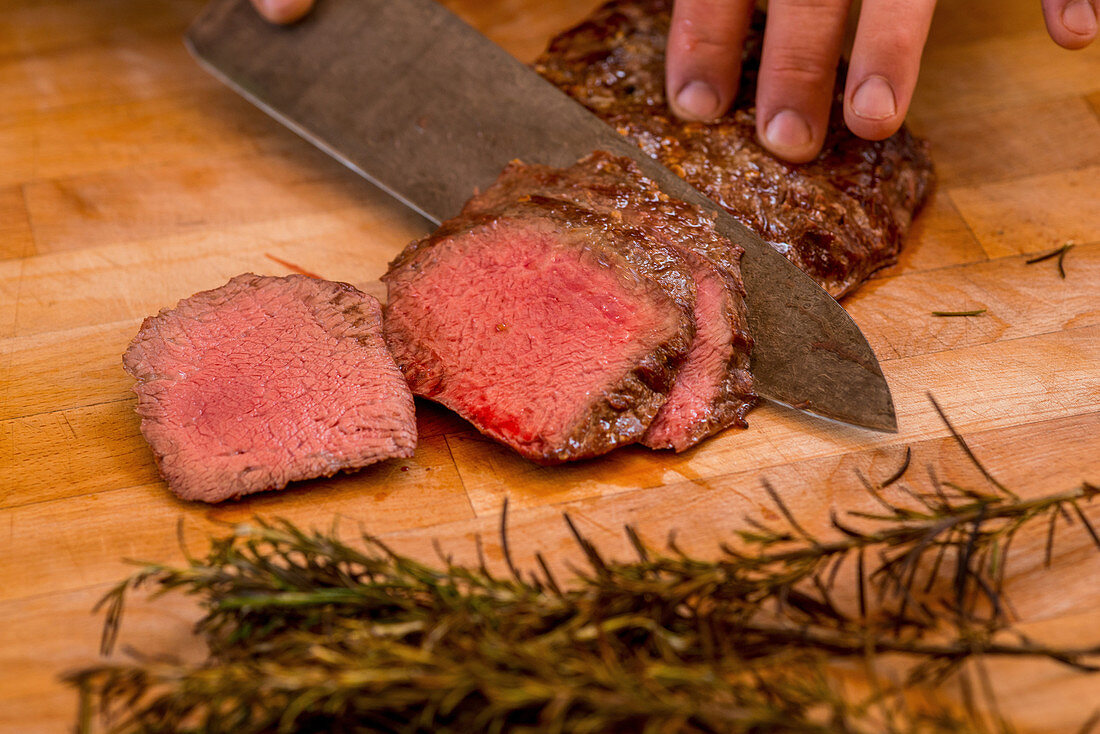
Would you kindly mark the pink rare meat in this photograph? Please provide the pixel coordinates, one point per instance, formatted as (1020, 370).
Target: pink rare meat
(713, 389)
(266, 381)
(567, 311)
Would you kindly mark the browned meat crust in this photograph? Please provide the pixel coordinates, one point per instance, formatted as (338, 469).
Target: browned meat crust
(839, 217)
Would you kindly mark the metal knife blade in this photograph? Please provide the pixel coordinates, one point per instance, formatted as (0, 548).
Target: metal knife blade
(409, 96)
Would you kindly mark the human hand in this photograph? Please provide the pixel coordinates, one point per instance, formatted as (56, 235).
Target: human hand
(283, 11)
(802, 44)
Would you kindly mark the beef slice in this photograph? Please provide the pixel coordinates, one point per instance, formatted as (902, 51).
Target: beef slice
(549, 322)
(266, 381)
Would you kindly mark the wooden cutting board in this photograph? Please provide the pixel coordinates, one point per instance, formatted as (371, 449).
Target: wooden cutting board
(129, 179)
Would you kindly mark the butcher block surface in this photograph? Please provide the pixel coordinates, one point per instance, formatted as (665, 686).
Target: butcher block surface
(130, 179)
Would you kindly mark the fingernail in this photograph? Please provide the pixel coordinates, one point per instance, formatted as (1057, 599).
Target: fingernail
(698, 100)
(1079, 17)
(788, 130)
(874, 99)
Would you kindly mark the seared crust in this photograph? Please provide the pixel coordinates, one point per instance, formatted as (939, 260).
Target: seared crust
(839, 218)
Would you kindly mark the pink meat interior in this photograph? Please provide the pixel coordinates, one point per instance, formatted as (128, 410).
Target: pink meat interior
(528, 330)
(696, 389)
(260, 384)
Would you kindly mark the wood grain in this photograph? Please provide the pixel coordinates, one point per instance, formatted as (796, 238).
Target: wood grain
(1019, 299)
(144, 66)
(118, 282)
(80, 140)
(83, 366)
(95, 532)
(963, 157)
(16, 239)
(147, 202)
(32, 699)
(130, 179)
(68, 453)
(50, 26)
(1011, 70)
(1033, 214)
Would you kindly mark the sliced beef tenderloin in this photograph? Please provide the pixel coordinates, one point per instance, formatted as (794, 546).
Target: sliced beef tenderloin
(265, 381)
(713, 389)
(549, 322)
(839, 217)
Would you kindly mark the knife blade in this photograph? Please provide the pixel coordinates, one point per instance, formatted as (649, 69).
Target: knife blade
(421, 104)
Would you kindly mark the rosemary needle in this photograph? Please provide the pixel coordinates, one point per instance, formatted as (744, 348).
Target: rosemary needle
(1060, 253)
(975, 312)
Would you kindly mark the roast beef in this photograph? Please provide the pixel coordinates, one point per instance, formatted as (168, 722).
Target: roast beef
(839, 218)
(713, 389)
(552, 320)
(265, 381)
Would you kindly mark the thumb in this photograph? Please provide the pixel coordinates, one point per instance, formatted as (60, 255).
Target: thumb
(1071, 23)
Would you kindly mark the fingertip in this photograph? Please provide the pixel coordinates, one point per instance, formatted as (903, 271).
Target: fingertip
(873, 99)
(703, 56)
(283, 11)
(798, 63)
(698, 100)
(1078, 18)
(1072, 24)
(788, 135)
(884, 66)
(871, 109)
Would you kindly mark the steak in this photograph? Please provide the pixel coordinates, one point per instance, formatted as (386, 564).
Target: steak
(713, 389)
(839, 218)
(265, 381)
(544, 313)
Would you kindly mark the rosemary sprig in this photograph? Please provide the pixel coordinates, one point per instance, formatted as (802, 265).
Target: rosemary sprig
(307, 632)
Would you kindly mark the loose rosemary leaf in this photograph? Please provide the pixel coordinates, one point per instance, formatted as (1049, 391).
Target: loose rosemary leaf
(975, 312)
(1060, 253)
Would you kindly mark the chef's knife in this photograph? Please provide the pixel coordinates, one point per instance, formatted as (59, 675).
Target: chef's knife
(421, 104)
